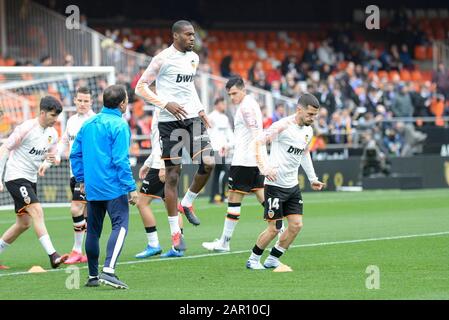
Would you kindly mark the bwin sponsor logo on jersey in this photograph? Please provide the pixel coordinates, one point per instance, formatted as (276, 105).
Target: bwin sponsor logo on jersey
(295, 151)
(184, 78)
(38, 152)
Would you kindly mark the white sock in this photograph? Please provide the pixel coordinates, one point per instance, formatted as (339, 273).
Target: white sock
(153, 239)
(78, 244)
(46, 243)
(3, 245)
(174, 224)
(228, 230)
(230, 224)
(188, 199)
(254, 256)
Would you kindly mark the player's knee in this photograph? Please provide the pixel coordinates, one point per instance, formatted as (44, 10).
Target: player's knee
(35, 212)
(172, 177)
(24, 225)
(273, 230)
(141, 203)
(295, 226)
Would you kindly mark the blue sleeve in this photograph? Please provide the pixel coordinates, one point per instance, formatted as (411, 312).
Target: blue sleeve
(120, 157)
(76, 157)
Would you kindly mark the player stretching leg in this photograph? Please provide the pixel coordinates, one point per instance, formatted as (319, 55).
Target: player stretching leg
(31, 142)
(182, 121)
(289, 139)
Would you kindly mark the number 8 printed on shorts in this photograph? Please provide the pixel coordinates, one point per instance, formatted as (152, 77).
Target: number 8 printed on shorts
(23, 191)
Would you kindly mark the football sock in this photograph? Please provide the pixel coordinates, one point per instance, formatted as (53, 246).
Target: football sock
(174, 224)
(153, 240)
(46, 243)
(231, 220)
(188, 199)
(3, 245)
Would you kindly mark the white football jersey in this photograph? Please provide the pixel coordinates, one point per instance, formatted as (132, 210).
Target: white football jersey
(174, 72)
(289, 143)
(72, 127)
(28, 145)
(247, 126)
(220, 133)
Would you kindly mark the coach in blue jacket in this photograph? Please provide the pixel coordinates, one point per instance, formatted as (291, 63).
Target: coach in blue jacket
(100, 162)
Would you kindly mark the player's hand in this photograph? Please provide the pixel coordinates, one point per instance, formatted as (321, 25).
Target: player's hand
(1, 186)
(204, 118)
(176, 110)
(42, 168)
(82, 188)
(143, 171)
(317, 185)
(133, 197)
(162, 175)
(270, 174)
(53, 158)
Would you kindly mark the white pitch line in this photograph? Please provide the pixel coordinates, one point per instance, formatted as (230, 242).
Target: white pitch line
(247, 251)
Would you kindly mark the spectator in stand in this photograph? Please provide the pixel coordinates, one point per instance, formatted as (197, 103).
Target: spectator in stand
(441, 78)
(145, 46)
(290, 65)
(276, 89)
(326, 54)
(46, 61)
(402, 105)
(337, 128)
(288, 87)
(406, 59)
(421, 100)
(225, 67)
(279, 112)
(310, 56)
(395, 62)
(274, 74)
(257, 77)
(68, 60)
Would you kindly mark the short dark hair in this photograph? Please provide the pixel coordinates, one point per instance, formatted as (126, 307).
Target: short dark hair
(235, 81)
(113, 96)
(83, 90)
(49, 103)
(179, 25)
(308, 99)
(218, 100)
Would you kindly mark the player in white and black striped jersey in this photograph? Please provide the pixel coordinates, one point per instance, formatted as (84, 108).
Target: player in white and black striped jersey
(290, 138)
(31, 148)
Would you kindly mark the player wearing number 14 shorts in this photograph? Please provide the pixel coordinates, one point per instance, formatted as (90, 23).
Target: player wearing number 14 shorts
(289, 139)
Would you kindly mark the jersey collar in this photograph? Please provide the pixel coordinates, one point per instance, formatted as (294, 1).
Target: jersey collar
(115, 111)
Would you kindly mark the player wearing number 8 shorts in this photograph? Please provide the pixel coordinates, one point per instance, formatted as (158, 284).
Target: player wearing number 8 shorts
(289, 139)
(31, 148)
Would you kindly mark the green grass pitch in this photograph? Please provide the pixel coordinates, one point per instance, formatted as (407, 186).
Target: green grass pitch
(405, 234)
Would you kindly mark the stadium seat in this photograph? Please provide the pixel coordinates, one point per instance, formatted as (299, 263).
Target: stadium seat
(405, 75)
(420, 52)
(416, 75)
